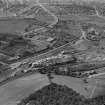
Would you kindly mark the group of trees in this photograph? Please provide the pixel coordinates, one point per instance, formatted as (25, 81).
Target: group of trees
(68, 69)
(65, 31)
(93, 35)
(78, 9)
(100, 8)
(54, 94)
(14, 45)
(57, 70)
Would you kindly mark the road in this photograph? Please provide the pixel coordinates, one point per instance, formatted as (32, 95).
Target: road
(41, 56)
(50, 25)
(15, 90)
(52, 14)
(42, 28)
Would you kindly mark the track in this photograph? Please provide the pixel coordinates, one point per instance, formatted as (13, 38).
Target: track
(51, 25)
(41, 56)
(42, 28)
(55, 17)
(14, 91)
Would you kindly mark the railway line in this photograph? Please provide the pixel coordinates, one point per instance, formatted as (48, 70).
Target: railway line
(27, 81)
(41, 56)
(49, 53)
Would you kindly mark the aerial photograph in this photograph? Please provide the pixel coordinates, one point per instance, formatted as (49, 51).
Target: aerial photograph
(52, 52)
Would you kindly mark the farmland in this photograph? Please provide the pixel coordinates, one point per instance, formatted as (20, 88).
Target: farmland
(13, 45)
(65, 41)
(59, 94)
(21, 88)
(17, 25)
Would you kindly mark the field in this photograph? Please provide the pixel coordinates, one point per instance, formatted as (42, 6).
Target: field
(14, 25)
(55, 94)
(24, 86)
(18, 25)
(49, 29)
(21, 88)
(80, 87)
(13, 45)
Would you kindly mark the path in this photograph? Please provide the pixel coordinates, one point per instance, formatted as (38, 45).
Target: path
(43, 28)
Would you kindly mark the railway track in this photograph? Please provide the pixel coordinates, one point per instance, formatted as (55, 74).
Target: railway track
(41, 56)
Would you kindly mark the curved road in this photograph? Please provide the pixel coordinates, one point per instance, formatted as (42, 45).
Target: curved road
(52, 14)
(13, 91)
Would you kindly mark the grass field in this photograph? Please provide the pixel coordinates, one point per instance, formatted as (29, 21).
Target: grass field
(40, 17)
(14, 25)
(68, 27)
(16, 90)
(94, 87)
(74, 83)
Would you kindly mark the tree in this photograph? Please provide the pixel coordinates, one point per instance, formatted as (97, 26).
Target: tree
(49, 73)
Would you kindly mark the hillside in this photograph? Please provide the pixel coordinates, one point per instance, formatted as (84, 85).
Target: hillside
(54, 94)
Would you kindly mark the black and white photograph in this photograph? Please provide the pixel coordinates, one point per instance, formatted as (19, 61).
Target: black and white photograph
(52, 52)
